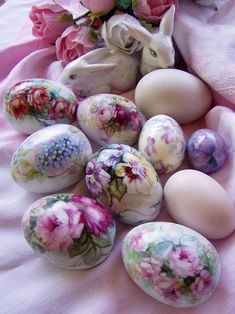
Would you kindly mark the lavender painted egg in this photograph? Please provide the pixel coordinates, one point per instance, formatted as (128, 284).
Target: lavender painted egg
(69, 230)
(51, 159)
(172, 263)
(163, 144)
(124, 181)
(206, 150)
(33, 104)
(110, 119)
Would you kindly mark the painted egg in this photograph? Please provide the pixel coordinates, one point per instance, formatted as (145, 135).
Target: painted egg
(163, 144)
(69, 230)
(33, 104)
(110, 119)
(196, 200)
(51, 159)
(206, 150)
(172, 263)
(173, 92)
(124, 181)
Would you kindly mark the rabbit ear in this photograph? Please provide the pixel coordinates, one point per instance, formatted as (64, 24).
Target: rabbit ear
(138, 32)
(167, 22)
(99, 67)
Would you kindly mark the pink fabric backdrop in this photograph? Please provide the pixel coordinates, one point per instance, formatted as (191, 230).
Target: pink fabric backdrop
(28, 284)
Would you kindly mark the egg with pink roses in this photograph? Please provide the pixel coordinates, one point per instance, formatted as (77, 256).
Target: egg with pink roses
(33, 104)
(69, 230)
(172, 263)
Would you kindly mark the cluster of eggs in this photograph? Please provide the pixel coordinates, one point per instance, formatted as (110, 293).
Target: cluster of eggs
(168, 261)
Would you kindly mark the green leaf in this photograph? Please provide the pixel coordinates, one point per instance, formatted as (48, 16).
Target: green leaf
(148, 26)
(124, 4)
(80, 246)
(33, 174)
(103, 242)
(66, 17)
(92, 256)
(93, 35)
(117, 188)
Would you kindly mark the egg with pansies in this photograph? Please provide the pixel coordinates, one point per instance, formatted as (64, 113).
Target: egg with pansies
(124, 181)
(33, 104)
(51, 159)
(110, 119)
(172, 263)
(69, 230)
(163, 144)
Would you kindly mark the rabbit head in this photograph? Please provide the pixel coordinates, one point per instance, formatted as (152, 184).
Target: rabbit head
(158, 51)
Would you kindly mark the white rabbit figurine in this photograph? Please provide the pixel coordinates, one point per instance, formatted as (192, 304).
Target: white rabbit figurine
(158, 51)
(101, 71)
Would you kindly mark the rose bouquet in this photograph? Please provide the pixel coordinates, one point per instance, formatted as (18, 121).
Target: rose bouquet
(74, 26)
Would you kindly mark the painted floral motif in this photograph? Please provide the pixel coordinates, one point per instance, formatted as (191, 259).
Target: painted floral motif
(163, 144)
(206, 150)
(33, 104)
(57, 154)
(121, 178)
(180, 270)
(69, 230)
(110, 119)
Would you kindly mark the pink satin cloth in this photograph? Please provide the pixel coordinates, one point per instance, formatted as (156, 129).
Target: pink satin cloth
(31, 285)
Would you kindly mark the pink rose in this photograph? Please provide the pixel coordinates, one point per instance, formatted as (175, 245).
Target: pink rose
(168, 287)
(59, 109)
(149, 268)
(185, 262)
(139, 242)
(49, 21)
(38, 97)
(74, 42)
(96, 217)
(57, 227)
(99, 7)
(152, 10)
(17, 106)
(202, 284)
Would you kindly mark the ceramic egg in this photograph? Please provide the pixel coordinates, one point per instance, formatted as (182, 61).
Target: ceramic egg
(51, 159)
(175, 93)
(206, 150)
(124, 181)
(69, 230)
(162, 143)
(196, 200)
(33, 104)
(110, 119)
(172, 263)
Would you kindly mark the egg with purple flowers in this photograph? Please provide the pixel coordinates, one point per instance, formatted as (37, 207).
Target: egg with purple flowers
(172, 263)
(110, 119)
(206, 150)
(162, 143)
(123, 180)
(69, 230)
(51, 159)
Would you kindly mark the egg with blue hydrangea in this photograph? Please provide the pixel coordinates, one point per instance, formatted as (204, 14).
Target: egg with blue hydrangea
(51, 159)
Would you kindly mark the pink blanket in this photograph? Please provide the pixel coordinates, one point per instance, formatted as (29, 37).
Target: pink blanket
(28, 284)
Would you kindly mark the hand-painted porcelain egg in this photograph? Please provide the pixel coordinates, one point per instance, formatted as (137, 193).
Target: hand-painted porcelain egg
(163, 144)
(206, 150)
(197, 201)
(171, 263)
(69, 230)
(110, 119)
(33, 104)
(173, 92)
(51, 159)
(124, 181)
